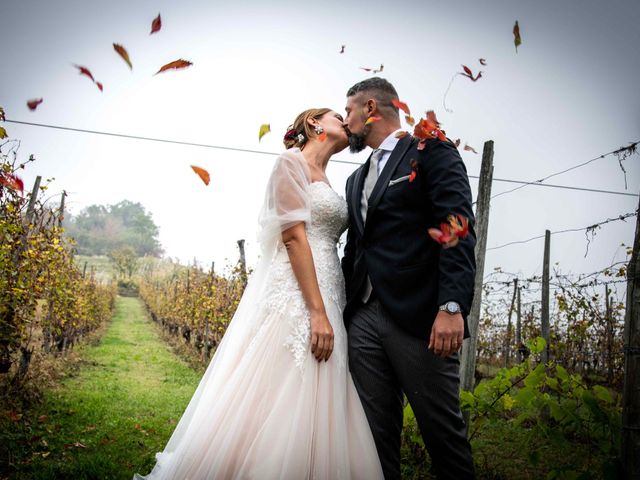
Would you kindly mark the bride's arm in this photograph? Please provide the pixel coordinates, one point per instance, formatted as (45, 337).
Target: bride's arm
(299, 251)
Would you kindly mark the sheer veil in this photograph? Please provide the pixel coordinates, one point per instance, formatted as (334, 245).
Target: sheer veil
(286, 203)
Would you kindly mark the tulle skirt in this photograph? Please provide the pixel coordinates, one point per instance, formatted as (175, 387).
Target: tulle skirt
(266, 408)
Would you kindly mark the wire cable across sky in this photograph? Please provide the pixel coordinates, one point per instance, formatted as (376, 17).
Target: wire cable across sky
(522, 183)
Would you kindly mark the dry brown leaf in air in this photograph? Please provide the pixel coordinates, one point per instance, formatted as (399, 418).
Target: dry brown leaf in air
(176, 64)
(120, 50)
(469, 148)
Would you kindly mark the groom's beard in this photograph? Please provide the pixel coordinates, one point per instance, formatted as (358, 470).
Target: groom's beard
(357, 141)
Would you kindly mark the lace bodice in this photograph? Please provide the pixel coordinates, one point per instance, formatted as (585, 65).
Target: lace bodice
(329, 219)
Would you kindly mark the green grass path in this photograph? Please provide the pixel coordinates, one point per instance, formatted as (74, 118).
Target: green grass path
(121, 406)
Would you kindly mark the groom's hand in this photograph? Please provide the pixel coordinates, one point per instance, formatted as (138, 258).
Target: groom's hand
(447, 334)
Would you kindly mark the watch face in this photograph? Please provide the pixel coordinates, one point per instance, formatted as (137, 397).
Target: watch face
(452, 307)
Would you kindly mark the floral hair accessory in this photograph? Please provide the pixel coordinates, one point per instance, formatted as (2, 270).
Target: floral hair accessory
(291, 135)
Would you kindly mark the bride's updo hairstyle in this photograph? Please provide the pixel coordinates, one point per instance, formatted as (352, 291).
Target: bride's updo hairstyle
(300, 132)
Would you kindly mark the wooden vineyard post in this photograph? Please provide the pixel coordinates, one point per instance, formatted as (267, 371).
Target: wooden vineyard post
(631, 387)
(507, 347)
(243, 263)
(519, 326)
(483, 202)
(544, 315)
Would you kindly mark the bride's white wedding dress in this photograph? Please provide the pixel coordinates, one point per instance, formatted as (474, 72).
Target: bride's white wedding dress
(265, 407)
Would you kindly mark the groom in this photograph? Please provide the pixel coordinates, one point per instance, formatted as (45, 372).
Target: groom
(407, 297)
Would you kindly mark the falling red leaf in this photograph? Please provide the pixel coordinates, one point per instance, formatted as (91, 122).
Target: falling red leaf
(156, 25)
(176, 64)
(516, 36)
(342, 48)
(120, 50)
(373, 119)
(457, 142)
(401, 105)
(33, 104)
(482, 61)
(366, 69)
(449, 233)
(11, 181)
(99, 86)
(322, 137)
(412, 176)
(203, 174)
(85, 71)
(410, 120)
(469, 148)
(444, 236)
(467, 73)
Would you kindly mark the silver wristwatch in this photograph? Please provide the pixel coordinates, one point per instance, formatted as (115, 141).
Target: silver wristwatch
(450, 307)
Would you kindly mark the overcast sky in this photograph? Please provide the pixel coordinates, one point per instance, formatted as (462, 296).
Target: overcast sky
(569, 94)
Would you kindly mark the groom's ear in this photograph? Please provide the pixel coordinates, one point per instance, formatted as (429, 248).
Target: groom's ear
(371, 106)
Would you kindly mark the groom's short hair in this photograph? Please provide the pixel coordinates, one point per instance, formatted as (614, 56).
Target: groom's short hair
(380, 89)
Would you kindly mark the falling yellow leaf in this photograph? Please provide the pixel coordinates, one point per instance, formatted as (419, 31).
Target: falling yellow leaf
(264, 129)
(3, 133)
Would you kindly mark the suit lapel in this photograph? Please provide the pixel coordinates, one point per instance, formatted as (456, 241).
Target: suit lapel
(356, 195)
(383, 180)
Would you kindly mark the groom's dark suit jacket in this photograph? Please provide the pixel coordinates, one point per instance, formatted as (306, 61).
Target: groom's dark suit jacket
(411, 274)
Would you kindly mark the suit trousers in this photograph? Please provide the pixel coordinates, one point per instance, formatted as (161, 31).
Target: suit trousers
(385, 361)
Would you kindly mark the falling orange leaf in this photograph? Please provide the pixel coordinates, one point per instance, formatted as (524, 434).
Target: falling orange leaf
(156, 25)
(11, 181)
(204, 175)
(459, 225)
(373, 119)
(516, 36)
(322, 137)
(264, 129)
(410, 120)
(401, 134)
(469, 148)
(120, 50)
(401, 105)
(33, 104)
(176, 64)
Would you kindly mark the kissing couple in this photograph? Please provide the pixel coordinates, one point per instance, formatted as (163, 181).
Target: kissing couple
(310, 377)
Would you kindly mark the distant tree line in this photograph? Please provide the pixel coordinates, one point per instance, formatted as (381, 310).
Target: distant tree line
(101, 229)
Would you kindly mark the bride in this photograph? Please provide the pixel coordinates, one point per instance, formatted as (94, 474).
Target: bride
(277, 400)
